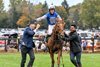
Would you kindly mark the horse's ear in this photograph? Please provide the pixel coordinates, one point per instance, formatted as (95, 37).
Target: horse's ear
(62, 19)
(57, 19)
(54, 29)
(54, 26)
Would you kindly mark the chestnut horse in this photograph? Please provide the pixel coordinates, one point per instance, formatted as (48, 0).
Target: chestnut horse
(55, 42)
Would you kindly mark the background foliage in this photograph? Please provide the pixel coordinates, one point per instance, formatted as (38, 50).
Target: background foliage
(84, 15)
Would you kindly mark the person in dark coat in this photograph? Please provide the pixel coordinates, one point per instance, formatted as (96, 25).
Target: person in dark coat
(27, 44)
(75, 46)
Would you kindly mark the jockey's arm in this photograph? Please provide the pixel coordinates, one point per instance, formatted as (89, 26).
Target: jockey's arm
(58, 16)
(41, 18)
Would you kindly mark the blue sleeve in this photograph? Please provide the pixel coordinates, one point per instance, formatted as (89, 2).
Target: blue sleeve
(30, 32)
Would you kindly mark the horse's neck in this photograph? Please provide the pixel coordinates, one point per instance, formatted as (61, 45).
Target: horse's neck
(54, 36)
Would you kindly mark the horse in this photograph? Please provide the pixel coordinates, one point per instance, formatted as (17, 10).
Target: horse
(55, 43)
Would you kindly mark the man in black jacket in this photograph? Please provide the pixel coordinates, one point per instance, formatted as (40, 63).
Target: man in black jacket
(75, 46)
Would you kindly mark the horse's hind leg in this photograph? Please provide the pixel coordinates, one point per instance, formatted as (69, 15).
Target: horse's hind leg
(59, 55)
(52, 58)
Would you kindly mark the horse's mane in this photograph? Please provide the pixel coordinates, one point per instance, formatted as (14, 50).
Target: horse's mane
(56, 28)
(54, 33)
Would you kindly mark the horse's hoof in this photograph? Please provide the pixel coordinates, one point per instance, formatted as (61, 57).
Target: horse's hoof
(52, 65)
(58, 65)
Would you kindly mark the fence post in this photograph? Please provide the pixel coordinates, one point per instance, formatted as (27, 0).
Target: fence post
(5, 45)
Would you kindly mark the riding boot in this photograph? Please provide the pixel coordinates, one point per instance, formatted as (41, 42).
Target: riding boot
(47, 37)
(77, 65)
(80, 65)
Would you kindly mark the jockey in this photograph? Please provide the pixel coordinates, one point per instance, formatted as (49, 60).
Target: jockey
(51, 19)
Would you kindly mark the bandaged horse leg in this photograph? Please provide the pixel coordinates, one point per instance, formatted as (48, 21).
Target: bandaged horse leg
(52, 58)
(59, 55)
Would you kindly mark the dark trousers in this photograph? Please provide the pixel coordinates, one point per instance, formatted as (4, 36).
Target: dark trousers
(24, 52)
(76, 58)
(84, 47)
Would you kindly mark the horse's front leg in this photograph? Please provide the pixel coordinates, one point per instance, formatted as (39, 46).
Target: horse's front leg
(52, 58)
(59, 55)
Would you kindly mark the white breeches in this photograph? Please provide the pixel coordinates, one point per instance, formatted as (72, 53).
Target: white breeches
(50, 29)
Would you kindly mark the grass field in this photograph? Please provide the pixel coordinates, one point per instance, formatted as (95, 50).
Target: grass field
(43, 60)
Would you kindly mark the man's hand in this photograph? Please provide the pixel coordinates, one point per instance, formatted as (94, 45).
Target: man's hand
(37, 26)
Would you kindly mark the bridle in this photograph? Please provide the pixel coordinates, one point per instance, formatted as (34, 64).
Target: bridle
(57, 32)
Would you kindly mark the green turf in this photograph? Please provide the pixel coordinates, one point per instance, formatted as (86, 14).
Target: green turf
(43, 60)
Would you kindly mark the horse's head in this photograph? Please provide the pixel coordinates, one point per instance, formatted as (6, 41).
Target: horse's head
(59, 26)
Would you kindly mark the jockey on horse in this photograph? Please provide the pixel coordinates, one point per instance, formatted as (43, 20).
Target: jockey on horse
(51, 19)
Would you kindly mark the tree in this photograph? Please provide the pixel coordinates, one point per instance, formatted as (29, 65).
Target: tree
(3, 17)
(44, 11)
(1, 6)
(29, 12)
(18, 9)
(62, 12)
(66, 6)
(23, 21)
(14, 4)
(45, 8)
(90, 13)
(74, 14)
